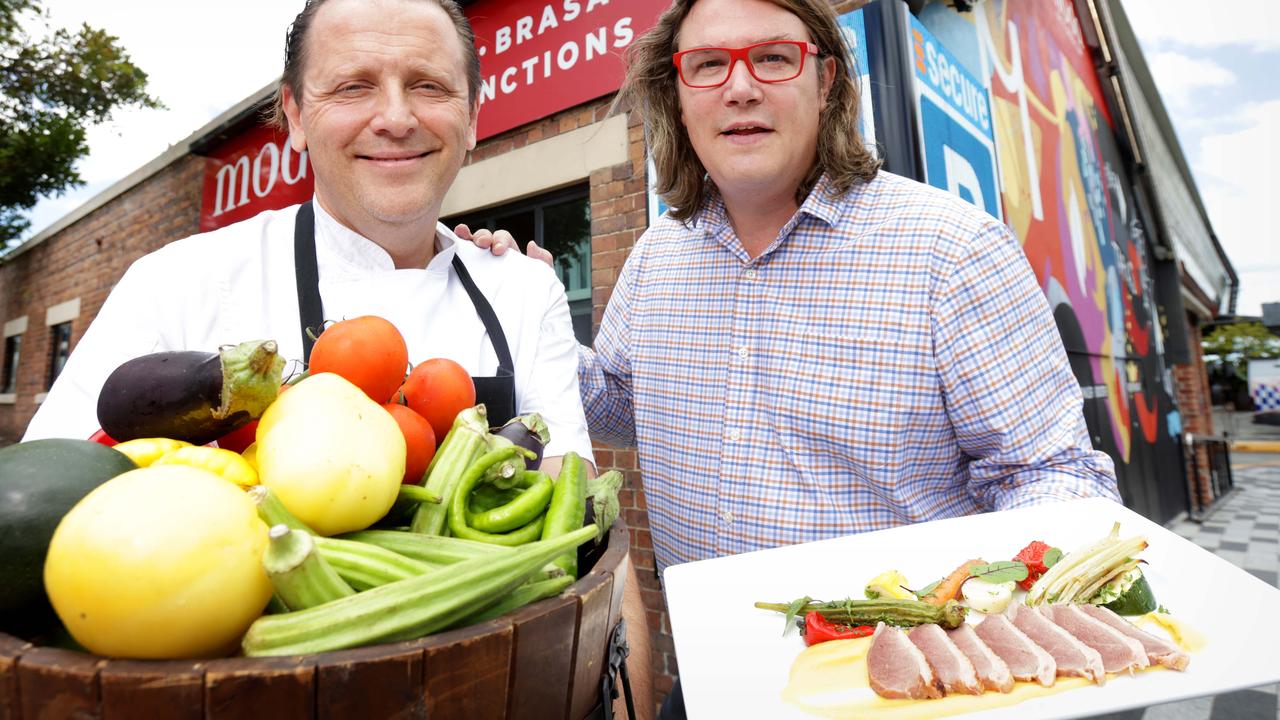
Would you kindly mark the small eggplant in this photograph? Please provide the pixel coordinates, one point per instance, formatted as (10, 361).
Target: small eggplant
(529, 432)
(193, 396)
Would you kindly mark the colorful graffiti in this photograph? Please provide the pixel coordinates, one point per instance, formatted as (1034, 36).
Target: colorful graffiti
(1065, 195)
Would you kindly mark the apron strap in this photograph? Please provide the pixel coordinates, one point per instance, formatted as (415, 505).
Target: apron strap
(307, 273)
(506, 368)
(311, 311)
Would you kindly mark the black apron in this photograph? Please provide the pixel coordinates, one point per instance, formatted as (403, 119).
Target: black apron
(497, 393)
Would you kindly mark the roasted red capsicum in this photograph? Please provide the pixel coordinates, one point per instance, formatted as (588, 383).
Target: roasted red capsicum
(1033, 557)
(819, 629)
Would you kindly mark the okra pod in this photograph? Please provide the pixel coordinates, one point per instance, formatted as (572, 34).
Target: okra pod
(362, 565)
(568, 507)
(890, 611)
(365, 566)
(464, 443)
(272, 511)
(417, 494)
(530, 592)
(431, 549)
(408, 608)
(301, 577)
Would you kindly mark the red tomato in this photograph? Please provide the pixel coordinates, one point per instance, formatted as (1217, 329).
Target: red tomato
(240, 438)
(438, 390)
(419, 441)
(369, 351)
(102, 438)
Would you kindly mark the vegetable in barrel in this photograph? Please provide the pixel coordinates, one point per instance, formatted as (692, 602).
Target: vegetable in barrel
(192, 396)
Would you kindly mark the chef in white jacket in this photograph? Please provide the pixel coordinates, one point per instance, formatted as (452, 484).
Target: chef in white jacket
(383, 97)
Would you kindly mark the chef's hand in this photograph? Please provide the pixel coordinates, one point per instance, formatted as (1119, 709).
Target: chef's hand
(499, 242)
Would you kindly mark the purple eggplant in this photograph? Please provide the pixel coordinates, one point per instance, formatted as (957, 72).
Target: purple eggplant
(189, 395)
(529, 432)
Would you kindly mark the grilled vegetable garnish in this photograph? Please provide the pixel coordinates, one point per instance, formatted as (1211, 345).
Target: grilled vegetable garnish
(904, 613)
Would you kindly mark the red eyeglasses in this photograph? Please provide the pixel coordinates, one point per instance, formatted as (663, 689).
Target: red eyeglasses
(768, 62)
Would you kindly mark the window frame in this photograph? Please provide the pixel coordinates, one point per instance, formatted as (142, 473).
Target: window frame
(538, 204)
(12, 360)
(55, 350)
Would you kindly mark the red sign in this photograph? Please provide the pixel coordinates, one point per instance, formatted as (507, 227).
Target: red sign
(538, 57)
(255, 171)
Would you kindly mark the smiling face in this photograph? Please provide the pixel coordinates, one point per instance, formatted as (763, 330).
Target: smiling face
(384, 111)
(757, 140)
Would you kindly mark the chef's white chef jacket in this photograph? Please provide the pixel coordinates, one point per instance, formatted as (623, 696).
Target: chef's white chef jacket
(237, 283)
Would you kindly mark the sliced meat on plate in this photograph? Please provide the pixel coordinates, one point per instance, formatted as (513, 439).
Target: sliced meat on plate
(897, 668)
(1120, 653)
(1158, 650)
(1026, 660)
(1071, 656)
(950, 665)
(991, 671)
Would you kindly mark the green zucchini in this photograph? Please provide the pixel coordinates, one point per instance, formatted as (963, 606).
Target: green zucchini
(1138, 599)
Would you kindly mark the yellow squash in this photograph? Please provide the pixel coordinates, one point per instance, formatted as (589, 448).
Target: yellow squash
(220, 462)
(334, 457)
(159, 563)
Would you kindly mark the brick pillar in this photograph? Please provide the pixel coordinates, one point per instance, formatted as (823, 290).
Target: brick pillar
(1191, 383)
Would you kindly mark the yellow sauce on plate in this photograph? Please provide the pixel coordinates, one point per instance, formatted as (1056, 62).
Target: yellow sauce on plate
(830, 680)
(1182, 635)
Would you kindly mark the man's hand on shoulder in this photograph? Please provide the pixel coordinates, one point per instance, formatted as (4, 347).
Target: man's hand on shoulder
(499, 242)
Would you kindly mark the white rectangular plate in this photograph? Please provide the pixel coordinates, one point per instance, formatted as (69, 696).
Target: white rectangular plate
(734, 661)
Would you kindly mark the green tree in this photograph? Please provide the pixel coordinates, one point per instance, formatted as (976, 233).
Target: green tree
(53, 87)
(1234, 345)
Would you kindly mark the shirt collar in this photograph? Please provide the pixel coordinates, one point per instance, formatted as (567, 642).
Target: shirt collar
(357, 252)
(713, 218)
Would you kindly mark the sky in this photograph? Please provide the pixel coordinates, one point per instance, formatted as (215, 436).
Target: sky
(1214, 63)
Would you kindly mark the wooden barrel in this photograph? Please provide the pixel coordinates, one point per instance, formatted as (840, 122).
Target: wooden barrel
(543, 661)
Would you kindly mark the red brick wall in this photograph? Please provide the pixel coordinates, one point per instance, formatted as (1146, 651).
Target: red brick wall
(85, 260)
(1191, 384)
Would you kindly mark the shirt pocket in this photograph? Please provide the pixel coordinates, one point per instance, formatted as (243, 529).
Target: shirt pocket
(839, 405)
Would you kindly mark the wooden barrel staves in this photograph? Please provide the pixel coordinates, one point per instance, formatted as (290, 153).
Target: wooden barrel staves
(543, 661)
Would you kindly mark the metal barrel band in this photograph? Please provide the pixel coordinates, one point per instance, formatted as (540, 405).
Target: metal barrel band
(615, 675)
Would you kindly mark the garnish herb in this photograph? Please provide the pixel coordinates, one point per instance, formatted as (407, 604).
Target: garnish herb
(792, 609)
(926, 589)
(1000, 571)
(1051, 557)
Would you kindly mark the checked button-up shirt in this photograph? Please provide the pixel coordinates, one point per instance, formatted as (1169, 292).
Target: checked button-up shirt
(889, 359)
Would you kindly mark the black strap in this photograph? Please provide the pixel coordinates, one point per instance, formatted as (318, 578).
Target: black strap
(307, 273)
(617, 665)
(506, 368)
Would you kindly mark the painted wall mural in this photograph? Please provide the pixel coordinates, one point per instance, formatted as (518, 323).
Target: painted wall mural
(1065, 194)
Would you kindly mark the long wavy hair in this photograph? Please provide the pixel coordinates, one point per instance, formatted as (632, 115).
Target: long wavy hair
(650, 88)
(295, 56)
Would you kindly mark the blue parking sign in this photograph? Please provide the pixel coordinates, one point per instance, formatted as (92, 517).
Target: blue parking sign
(953, 109)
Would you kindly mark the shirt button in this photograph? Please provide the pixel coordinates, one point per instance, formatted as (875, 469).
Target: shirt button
(735, 435)
(743, 352)
(727, 517)
(750, 274)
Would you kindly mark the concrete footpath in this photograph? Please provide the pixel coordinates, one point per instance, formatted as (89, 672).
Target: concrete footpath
(1243, 528)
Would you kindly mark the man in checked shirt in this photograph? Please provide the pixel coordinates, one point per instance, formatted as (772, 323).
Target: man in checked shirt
(806, 346)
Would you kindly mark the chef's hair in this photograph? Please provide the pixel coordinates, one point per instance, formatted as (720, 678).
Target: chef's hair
(295, 55)
(650, 88)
